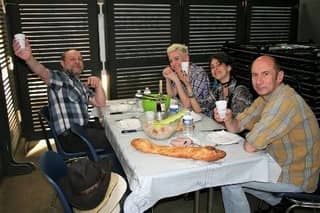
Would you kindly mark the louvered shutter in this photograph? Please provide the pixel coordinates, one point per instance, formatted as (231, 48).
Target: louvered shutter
(53, 26)
(138, 35)
(272, 21)
(207, 26)
(9, 113)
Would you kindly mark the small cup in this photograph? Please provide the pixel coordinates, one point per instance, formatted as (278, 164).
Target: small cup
(222, 108)
(21, 38)
(185, 66)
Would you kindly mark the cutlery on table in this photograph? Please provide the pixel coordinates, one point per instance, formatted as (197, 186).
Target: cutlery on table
(133, 117)
(130, 130)
(213, 130)
(115, 113)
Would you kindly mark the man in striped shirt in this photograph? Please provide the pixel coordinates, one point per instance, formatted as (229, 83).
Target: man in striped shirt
(281, 123)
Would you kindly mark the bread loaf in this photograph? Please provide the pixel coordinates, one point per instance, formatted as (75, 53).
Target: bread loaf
(206, 153)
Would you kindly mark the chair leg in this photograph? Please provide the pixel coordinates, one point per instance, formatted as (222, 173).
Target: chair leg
(210, 197)
(196, 201)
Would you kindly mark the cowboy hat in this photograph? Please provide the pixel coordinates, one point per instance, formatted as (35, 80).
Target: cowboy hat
(86, 183)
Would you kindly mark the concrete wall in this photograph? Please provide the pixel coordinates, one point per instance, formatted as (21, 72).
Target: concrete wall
(309, 21)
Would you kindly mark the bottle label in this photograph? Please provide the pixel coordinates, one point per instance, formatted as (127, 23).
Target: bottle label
(174, 108)
(187, 121)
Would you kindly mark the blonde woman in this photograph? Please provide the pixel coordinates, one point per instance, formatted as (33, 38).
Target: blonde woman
(176, 78)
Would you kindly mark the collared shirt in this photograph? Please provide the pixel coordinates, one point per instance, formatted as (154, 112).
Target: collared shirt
(238, 99)
(199, 81)
(285, 126)
(68, 101)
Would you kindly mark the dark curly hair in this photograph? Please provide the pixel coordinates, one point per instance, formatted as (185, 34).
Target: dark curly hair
(222, 57)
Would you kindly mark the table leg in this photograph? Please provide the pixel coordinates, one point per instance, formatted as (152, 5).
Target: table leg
(196, 201)
(210, 196)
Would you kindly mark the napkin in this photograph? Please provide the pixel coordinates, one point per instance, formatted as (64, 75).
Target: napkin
(224, 138)
(130, 123)
(195, 116)
(120, 107)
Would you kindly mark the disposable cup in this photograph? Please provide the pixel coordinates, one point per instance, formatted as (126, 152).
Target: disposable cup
(222, 108)
(21, 38)
(185, 66)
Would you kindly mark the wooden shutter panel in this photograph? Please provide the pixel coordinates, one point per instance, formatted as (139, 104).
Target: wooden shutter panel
(10, 114)
(139, 34)
(272, 21)
(210, 24)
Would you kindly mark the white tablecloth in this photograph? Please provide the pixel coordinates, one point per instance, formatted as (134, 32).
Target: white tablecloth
(153, 177)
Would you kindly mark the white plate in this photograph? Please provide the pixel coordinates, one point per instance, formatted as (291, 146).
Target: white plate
(224, 138)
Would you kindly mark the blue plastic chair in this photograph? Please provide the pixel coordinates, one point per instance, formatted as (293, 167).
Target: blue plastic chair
(76, 129)
(53, 168)
(302, 199)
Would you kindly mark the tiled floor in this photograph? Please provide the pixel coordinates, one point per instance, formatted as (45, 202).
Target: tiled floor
(31, 193)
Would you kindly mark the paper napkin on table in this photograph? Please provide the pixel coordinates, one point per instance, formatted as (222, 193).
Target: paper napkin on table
(224, 137)
(130, 123)
(196, 116)
(120, 107)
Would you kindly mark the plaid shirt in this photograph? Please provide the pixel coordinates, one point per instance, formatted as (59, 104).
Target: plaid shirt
(68, 101)
(284, 125)
(199, 82)
(238, 99)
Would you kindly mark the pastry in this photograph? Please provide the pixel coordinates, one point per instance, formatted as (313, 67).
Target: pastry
(206, 153)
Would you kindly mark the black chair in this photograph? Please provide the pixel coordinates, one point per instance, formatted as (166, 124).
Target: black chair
(303, 200)
(76, 129)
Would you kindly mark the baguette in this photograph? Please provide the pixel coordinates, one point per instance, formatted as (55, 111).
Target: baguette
(206, 153)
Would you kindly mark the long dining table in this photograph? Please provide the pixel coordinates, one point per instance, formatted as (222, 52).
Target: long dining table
(153, 177)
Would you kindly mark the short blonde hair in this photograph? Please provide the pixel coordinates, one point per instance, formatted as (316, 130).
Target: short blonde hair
(183, 49)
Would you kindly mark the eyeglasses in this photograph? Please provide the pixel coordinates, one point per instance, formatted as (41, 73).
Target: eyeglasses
(213, 66)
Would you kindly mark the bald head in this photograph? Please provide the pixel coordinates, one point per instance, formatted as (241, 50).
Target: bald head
(266, 75)
(268, 60)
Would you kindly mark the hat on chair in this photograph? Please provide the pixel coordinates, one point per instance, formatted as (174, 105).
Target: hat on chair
(86, 183)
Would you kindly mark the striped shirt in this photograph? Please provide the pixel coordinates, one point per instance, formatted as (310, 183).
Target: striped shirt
(284, 125)
(68, 101)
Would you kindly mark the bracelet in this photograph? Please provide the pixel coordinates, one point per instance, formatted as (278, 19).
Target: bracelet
(190, 95)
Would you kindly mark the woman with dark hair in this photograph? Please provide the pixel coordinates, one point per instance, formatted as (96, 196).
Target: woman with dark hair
(227, 88)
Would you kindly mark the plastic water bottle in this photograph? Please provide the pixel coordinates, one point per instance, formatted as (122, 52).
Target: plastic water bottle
(147, 91)
(187, 121)
(173, 109)
(139, 100)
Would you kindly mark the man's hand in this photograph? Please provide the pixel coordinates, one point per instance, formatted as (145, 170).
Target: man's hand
(25, 53)
(248, 147)
(93, 82)
(227, 118)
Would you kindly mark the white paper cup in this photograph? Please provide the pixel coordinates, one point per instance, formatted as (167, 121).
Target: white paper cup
(222, 108)
(21, 38)
(185, 66)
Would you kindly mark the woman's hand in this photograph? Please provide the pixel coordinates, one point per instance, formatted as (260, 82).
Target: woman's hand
(168, 73)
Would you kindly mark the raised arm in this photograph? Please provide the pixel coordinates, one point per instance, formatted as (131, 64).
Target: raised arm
(26, 55)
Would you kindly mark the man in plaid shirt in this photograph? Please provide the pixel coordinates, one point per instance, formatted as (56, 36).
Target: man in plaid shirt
(69, 98)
